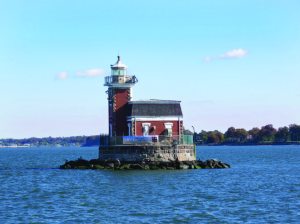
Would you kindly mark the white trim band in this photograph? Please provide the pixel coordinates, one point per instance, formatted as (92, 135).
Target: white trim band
(154, 118)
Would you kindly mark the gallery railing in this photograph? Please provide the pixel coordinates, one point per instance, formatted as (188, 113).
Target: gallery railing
(120, 79)
(105, 140)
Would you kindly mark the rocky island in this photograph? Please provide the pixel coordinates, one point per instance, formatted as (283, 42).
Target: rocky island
(143, 134)
(97, 164)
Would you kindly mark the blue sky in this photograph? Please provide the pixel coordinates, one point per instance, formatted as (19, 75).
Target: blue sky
(231, 63)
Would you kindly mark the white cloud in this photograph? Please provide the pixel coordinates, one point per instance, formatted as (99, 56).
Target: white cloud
(62, 75)
(234, 53)
(231, 54)
(93, 72)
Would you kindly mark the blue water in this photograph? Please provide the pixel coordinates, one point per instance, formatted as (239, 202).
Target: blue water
(263, 186)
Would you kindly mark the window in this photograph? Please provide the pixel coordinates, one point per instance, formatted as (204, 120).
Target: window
(168, 129)
(118, 72)
(146, 128)
(114, 72)
(121, 72)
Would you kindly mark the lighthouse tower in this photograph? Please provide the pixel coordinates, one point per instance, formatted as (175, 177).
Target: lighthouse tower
(119, 85)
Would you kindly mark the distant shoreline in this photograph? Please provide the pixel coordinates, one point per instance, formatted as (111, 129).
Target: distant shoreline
(16, 146)
(199, 145)
(248, 144)
(266, 135)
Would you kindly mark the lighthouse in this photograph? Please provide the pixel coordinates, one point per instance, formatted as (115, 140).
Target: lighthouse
(142, 130)
(119, 92)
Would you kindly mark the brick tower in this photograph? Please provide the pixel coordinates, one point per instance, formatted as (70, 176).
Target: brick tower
(119, 85)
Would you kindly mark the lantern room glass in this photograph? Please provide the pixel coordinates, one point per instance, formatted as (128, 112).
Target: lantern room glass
(118, 72)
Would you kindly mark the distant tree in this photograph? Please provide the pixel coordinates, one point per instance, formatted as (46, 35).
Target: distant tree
(230, 133)
(203, 135)
(215, 137)
(241, 134)
(211, 137)
(220, 136)
(253, 134)
(294, 131)
(267, 133)
(236, 135)
(282, 135)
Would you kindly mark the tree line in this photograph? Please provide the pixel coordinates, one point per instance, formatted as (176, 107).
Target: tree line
(265, 135)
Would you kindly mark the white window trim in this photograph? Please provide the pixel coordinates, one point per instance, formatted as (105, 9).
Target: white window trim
(144, 125)
(168, 125)
(129, 129)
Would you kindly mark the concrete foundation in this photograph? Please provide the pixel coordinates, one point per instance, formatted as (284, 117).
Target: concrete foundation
(154, 153)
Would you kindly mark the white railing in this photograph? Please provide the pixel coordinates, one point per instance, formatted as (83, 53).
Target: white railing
(146, 140)
(119, 79)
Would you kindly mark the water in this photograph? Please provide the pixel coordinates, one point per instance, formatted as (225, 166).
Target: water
(263, 186)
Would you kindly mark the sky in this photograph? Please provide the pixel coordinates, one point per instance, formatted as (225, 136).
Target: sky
(231, 62)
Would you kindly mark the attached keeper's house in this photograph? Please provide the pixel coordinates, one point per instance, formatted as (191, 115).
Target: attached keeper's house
(142, 130)
(154, 117)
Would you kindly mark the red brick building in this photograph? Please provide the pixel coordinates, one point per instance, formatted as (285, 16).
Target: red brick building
(154, 117)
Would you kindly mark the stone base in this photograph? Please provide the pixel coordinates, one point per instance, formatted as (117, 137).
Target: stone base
(139, 153)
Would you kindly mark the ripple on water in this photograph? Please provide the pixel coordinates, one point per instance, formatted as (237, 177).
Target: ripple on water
(263, 186)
